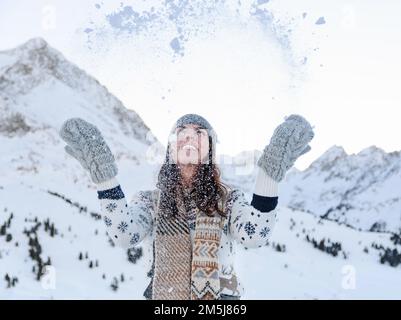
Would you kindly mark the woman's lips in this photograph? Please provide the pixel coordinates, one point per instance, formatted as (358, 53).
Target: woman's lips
(189, 147)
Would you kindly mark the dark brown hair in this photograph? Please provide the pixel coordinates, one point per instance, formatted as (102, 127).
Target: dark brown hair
(207, 188)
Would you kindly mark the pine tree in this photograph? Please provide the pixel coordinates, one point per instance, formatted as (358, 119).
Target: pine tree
(114, 284)
(52, 230)
(3, 230)
(7, 278)
(14, 281)
(9, 220)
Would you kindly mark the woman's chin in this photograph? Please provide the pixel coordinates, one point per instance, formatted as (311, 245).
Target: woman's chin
(188, 160)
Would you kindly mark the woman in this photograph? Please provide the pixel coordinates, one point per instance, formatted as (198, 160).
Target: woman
(193, 218)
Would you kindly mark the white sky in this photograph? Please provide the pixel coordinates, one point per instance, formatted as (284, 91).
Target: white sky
(239, 77)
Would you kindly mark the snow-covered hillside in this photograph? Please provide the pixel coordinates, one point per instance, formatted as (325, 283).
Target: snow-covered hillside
(49, 209)
(313, 258)
(361, 190)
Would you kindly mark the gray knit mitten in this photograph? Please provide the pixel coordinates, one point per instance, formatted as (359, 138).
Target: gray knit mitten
(86, 144)
(289, 141)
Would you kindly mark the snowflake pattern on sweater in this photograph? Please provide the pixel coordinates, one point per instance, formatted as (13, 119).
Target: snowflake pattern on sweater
(128, 225)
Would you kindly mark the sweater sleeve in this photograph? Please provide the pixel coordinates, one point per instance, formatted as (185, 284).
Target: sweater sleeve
(251, 224)
(126, 224)
(265, 195)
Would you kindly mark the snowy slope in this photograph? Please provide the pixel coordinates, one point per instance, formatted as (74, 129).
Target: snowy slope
(305, 272)
(40, 183)
(239, 170)
(361, 190)
(367, 264)
(296, 270)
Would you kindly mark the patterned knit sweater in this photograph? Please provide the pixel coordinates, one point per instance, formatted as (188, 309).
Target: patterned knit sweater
(247, 224)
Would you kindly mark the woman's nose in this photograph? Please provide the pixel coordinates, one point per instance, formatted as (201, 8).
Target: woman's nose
(188, 134)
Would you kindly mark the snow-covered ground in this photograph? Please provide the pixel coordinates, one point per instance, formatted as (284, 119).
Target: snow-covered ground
(49, 212)
(305, 272)
(301, 271)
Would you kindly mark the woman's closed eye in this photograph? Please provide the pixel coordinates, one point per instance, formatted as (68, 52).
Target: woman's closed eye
(201, 132)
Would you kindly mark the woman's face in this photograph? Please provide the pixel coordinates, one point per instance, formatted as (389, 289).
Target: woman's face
(189, 145)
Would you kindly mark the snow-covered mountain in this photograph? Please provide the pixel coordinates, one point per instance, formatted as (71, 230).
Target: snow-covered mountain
(49, 209)
(39, 90)
(360, 190)
(240, 170)
(38, 82)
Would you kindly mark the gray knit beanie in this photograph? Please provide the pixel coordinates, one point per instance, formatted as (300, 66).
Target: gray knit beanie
(192, 118)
